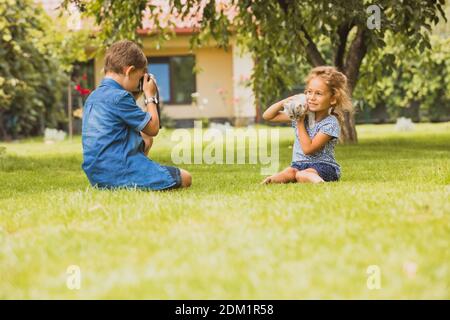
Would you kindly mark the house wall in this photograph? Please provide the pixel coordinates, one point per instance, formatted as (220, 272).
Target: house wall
(214, 80)
(244, 99)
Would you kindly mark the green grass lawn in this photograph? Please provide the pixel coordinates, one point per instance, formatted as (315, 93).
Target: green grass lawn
(228, 237)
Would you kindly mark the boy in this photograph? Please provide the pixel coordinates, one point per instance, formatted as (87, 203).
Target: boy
(117, 134)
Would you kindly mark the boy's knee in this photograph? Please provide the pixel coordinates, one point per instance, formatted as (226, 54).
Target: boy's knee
(186, 179)
(148, 140)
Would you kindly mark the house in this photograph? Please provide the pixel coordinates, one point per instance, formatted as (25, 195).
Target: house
(205, 83)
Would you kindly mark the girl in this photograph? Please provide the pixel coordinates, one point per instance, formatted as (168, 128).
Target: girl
(313, 153)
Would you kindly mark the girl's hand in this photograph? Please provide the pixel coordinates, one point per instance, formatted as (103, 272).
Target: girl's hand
(304, 113)
(303, 116)
(275, 114)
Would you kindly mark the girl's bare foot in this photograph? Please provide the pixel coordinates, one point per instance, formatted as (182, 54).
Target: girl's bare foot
(285, 176)
(267, 180)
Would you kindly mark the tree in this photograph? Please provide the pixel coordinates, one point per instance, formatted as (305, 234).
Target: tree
(34, 66)
(418, 78)
(282, 29)
(28, 75)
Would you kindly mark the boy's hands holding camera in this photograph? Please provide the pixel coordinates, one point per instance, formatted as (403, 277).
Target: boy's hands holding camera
(150, 90)
(149, 86)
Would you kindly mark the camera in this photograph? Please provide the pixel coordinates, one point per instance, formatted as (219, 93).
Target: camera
(140, 87)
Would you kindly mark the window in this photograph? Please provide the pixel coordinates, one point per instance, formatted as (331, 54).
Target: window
(175, 76)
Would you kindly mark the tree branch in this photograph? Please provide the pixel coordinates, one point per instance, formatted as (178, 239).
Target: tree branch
(343, 31)
(356, 54)
(284, 5)
(313, 54)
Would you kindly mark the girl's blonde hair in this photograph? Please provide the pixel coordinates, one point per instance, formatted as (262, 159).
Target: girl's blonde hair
(337, 83)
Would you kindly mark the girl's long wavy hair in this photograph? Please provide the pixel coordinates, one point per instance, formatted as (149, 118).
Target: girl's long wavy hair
(338, 85)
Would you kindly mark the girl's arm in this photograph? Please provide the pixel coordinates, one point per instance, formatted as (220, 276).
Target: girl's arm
(310, 146)
(274, 114)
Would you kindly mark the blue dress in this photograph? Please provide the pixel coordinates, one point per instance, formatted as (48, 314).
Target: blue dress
(323, 160)
(112, 145)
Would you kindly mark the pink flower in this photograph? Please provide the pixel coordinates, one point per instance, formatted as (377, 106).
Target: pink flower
(410, 269)
(162, 13)
(82, 91)
(244, 78)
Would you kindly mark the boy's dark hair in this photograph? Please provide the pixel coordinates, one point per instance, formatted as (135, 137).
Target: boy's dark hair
(122, 54)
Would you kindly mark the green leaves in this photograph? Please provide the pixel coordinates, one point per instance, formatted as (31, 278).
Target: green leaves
(397, 77)
(31, 75)
(286, 38)
(117, 19)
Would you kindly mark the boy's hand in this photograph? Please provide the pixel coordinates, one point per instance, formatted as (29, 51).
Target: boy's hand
(149, 86)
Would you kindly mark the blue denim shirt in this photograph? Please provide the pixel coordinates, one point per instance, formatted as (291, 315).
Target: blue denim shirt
(112, 145)
(329, 126)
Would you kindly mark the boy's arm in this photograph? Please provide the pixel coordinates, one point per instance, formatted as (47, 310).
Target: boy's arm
(152, 127)
(310, 146)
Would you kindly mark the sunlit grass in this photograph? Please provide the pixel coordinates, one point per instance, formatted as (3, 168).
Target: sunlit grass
(227, 236)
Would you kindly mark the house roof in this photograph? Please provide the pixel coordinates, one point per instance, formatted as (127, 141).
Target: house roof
(183, 26)
(50, 6)
(178, 31)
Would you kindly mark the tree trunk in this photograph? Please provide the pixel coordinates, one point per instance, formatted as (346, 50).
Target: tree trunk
(350, 68)
(412, 111)
(2, 129)
(355, 55)
(380, 114)
(348, 134)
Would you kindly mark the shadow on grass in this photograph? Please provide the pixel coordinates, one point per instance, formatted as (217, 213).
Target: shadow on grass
(19, 175)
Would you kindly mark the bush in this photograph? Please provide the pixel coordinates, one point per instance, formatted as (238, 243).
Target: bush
(32, 77)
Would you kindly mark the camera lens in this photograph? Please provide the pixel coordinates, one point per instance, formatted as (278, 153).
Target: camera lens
(141, 84)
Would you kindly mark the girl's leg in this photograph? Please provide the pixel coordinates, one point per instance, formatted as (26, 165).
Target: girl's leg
(285, 176)
(308, 175)
(186, 179)
(148, 141)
